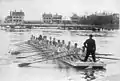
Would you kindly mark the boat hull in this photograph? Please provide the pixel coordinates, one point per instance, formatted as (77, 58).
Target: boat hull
(80, 64)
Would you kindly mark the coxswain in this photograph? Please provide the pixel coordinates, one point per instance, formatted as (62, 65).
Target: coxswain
(90, 46)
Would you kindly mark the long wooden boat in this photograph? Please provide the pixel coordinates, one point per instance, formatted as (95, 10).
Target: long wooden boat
(78, 63)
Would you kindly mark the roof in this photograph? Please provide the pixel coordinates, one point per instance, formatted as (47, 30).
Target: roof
(9, 16)
(75, 16)
(47, 15)
(57, 16)
(18, 14)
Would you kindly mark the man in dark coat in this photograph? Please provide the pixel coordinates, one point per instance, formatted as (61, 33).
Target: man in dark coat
(90, 45)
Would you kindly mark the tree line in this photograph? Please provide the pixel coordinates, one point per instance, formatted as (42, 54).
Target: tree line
(95, 19)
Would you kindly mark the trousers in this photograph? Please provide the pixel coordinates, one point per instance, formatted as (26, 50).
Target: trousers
(90, 52)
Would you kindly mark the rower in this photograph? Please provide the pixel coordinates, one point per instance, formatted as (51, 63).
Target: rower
(31, 37)
(63, 43)
(34, 39)
(61, 50)
(74, 50)
(58, 43)
(50, 41)
(68, 46)
(63, 46)
(45, 41)
(54, 42)
(40, 37)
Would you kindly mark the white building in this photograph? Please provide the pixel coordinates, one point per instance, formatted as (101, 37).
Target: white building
(75, 19)
(52, 19)
(57, 19)
(47, 18)
(15, 17)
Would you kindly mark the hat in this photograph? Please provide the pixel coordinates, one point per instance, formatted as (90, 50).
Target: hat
(90, 35)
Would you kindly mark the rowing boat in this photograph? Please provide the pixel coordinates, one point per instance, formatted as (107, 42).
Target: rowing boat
(78, 63)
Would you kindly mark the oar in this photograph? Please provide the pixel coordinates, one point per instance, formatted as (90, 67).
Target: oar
(109, 58)
(104, 54)
(105, 57)
(26, 64)
(32, 55)
(38, 46)
(15, 53)
(17, 44)
(30, 49)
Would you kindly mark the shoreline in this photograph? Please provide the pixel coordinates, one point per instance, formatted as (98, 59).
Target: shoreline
(62, 26)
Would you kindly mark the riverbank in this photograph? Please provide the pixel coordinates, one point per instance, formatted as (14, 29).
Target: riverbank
(63, 26)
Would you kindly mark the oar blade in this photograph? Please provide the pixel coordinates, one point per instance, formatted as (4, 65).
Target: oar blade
(109, 58)
(23, 64)
(104, 54)
(20, 57)
(15, 53)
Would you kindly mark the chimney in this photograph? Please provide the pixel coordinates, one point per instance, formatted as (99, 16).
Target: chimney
(20, 10)
(10, 13)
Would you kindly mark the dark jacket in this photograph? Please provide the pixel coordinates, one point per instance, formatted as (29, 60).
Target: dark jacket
(90, 44)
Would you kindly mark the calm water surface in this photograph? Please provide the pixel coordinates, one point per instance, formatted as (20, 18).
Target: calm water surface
(52, 70)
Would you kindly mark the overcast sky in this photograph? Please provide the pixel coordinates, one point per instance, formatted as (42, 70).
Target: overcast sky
(34, 8)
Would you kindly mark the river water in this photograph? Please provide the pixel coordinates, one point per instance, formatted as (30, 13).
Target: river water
(55, 71)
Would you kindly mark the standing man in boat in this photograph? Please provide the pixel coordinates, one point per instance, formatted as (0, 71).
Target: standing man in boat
(90, 45)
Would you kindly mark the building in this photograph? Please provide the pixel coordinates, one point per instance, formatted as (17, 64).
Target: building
(47, 18)
(51, 19)
(8, 19)
(116, 18)
(75, 19)
(56, 19)
(15, 17)
(66, 22)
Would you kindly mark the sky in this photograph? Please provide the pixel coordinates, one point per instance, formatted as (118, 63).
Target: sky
(35, 8)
